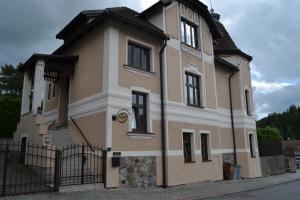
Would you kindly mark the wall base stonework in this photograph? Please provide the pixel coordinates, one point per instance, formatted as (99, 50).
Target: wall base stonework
(137, 171)
(273, 165)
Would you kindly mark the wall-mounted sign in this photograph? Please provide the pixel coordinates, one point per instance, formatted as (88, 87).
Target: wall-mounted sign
(122, 116)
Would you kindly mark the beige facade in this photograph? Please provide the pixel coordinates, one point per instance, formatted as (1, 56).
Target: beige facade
(103, 82)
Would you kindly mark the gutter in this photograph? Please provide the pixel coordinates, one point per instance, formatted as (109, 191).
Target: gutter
(162, 109)
(231, 113)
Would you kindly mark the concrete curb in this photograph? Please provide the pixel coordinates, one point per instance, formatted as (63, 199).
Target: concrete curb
(246, 190)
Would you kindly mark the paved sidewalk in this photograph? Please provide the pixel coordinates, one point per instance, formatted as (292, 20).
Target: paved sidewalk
(187, 192)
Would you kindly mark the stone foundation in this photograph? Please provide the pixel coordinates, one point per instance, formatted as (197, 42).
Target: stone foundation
(137, 171)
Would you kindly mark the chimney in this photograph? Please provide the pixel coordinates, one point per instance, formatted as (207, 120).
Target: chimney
(214, 15)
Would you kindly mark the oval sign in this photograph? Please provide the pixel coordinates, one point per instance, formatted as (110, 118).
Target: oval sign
(122, 117)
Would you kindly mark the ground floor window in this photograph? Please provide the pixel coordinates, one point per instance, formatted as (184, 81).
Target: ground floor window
(252, 145)
(205, 147)
(187, 147)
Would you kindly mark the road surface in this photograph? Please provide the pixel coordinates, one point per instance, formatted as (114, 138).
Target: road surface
(288, 191)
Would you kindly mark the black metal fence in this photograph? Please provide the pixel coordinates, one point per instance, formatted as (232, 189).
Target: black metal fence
(27, 168)
(81, 164)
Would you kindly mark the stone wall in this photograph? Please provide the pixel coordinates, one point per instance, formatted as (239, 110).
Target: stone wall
(272, 165)
(137, 171)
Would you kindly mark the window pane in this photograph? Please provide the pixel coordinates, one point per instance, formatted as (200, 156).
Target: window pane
(137, 57)
(204, 147)
(182, 32)
(197, 97)
(187, 147)
(145, 59)
(133, 119)
(54, 90)
(129, 56)
(191, 96)
(134, 99)
(141, 100)
(190, 78)
(193, 36)
(188, 34)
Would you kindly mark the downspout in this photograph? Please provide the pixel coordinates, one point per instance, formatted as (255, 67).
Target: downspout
(162, 114)
(232, 121)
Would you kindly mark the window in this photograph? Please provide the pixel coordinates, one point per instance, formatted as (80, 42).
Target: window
(138, 57)
(187, 147)
(193, 90)
(51, 90)
(139, 112)
(189, 33)
(252, 146)
(205, 147)
(247, 102)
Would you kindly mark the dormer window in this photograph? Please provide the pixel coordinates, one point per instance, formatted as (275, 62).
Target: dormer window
(189, 33)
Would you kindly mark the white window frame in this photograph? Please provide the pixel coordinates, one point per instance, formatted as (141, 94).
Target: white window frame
(194, 70)
(193, 143)
(142, 44)
(208, 133)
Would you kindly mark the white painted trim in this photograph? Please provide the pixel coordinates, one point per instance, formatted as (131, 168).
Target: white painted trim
(193, 142)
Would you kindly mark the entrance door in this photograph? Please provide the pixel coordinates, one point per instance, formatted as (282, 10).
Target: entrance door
(23, 150)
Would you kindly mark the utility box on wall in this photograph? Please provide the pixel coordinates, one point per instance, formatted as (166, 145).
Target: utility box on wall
(115, 160)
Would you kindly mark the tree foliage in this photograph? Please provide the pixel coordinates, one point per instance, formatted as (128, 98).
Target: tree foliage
(11, 85)
(269, 133)
(288, 122)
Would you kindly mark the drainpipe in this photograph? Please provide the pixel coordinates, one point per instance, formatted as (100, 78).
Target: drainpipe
(232, 122)
(162, 113)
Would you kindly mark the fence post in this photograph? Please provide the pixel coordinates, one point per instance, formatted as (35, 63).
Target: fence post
(57, 170)
(82, 164)
(5, 170)
(104, 163)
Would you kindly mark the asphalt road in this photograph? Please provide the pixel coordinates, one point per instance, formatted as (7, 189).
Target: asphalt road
(288, 191)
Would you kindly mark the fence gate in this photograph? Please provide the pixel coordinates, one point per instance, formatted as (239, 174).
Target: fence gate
(81, 164)
(26, 168)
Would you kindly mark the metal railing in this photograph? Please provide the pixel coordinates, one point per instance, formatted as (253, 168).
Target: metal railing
(82, 134)
(28, 168)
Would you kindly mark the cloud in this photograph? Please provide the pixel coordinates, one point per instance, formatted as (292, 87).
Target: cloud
(265, 87)
(266, 29)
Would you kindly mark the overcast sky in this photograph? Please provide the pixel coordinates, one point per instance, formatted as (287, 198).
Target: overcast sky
(267, 29)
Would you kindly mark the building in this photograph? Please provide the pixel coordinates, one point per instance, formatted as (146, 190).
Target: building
(173, 70)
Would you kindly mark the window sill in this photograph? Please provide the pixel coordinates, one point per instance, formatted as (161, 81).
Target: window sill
(194, 106)
(189, 162)
(195, 48)
(138, 70)
(140, 135)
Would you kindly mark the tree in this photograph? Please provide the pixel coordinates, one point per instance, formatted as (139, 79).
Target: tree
(268, 133)
(288, 122)
(11, 85)
(11, 80)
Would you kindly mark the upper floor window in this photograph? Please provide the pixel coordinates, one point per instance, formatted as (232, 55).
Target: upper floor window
(138, 57)
(139, 112)
(193, 90)
(247, 101)
(189, 33)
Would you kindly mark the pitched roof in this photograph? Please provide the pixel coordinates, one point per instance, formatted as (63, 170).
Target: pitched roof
(194, 4)
(220, 62)
(226, 45)
(88, 17)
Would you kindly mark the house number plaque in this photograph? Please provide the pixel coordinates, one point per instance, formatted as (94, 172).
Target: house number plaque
(122, 116)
